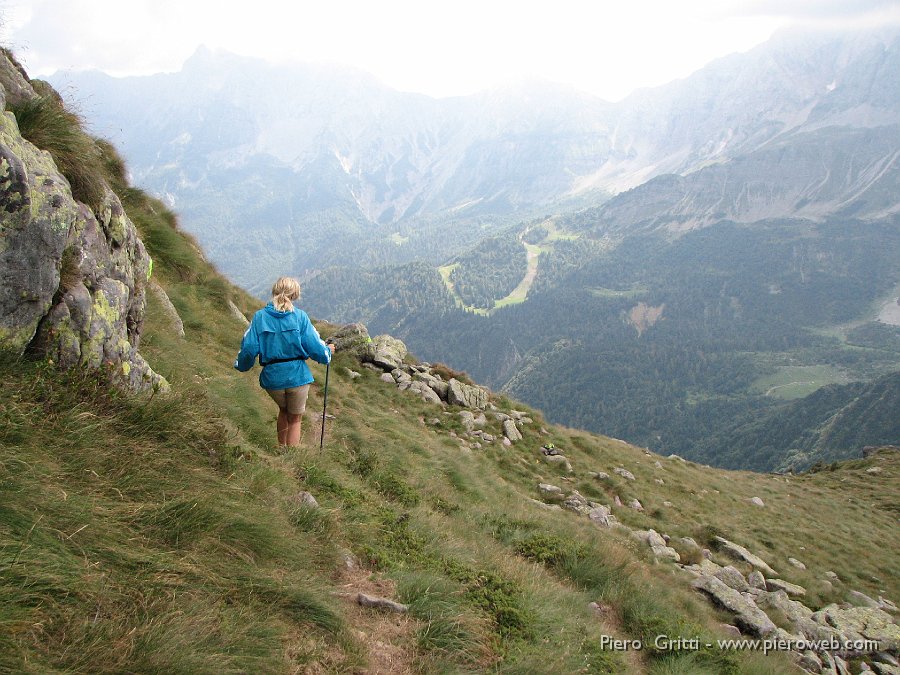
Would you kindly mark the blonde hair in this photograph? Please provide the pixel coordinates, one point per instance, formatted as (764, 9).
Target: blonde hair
(284, 292)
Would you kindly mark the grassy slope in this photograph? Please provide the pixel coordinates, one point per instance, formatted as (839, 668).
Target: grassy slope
(165, 535)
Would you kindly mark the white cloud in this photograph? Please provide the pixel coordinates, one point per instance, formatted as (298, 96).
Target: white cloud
(440, 48)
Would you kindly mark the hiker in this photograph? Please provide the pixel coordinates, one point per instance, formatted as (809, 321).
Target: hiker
(549, 449)
(283, 337)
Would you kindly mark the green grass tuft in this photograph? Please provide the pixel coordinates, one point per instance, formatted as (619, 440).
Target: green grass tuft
(45, 122)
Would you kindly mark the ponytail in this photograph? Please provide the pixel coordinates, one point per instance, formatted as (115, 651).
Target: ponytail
(284, 292)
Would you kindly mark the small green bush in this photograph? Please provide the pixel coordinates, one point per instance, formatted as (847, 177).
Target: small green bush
(549, 549)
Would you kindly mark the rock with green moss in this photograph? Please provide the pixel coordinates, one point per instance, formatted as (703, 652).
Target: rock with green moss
(861, 623)
(72, 279)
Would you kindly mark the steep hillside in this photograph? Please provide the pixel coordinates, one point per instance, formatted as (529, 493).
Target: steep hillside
(830, 424)
(164, 532)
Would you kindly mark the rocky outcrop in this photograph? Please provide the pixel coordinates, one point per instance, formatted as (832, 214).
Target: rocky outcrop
(743, 554)
(511, 431)
(387, 352)
(859, 623)
(353, 339)
(466, 395)
(748, 616)
(72, 281)
(170, 311)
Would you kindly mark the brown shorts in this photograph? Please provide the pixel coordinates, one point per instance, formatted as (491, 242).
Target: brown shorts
(292, 400)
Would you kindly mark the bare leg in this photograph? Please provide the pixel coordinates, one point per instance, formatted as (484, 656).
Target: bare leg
(294, 427)
(282, 426)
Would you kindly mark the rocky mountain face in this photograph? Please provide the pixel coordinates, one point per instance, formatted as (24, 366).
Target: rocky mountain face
(72, 279)
(259, 158)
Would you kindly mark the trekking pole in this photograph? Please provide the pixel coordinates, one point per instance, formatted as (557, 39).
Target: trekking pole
(325, 404)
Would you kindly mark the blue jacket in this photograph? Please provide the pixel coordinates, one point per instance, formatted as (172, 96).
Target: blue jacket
(275, 335)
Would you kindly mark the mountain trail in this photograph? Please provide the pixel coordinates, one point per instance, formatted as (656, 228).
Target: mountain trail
(388, 637)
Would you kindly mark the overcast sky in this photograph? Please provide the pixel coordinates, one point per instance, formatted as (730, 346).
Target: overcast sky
(437, 47)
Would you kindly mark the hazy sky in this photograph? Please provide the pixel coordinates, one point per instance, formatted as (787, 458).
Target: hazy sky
(436, 47)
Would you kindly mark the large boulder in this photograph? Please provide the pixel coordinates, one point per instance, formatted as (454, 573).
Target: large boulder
(602, 516)
(466, 395)
(732, 578)
(427, 393)
(786, 586)
(742, 553)
(748, 616)
(434, 382)
(73, 281)
(352, 338)
(511, 431)
(387, 352)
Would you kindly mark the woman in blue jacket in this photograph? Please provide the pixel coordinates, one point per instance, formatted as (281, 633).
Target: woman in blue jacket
(283, 337)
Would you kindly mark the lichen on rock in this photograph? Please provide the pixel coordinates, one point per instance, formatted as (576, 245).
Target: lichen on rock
(72, 283)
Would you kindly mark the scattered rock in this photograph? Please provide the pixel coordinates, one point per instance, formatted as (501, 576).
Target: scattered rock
(659, 481)
(305, 498)
(353, 374)
(617, 501)
(511, 431)
(353, 338)
(832, 576)
(427, 393)
(749, 617)
(543, 505)
(602, 516)
(435, 422)
(577, 503)
(809, 661)
(861, 599)
(172, 313)
(757, 501)
(625, 473)
(731, 631)
(387, 377)
(401, 376)
(506, 442)
(387, 352)
(862, 623)
(465, 395)
(678, 457)
(732, 578)
(467, 419)
(667, 503)
(380, 603)
(745, 555)
(832, 663)
(756, 580)
(657, 544)
(796, 563)
(886, 605)
(636, 505)
(786, 586)
(550, 490)
(658, 464)
(599, 475)
(874, 469)
(481, 420)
